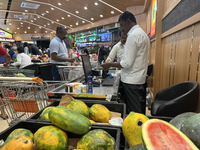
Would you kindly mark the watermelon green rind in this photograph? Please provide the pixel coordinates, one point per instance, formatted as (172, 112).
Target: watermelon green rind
(138, 147)
(191, 128)
(178, 120)
(147, 139)
(69, 120)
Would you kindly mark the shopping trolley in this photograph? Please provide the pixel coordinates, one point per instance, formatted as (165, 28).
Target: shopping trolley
(16, 72)
(69, 73)
(22, 97)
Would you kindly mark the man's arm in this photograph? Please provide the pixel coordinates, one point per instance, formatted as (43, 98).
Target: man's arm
(61, 59)
(107, 65)
(112, 54)
(7, 57)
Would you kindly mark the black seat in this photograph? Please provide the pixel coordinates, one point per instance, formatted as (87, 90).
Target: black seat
(176, 99)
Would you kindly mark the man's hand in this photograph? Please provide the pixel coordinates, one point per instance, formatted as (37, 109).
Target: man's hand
(6, 64)
(71, 60)
(106, 66)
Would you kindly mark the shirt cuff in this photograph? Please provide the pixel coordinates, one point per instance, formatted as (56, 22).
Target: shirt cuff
(124, 64)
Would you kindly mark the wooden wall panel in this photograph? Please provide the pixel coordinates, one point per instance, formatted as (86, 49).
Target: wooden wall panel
(167, 4)
(148, 20)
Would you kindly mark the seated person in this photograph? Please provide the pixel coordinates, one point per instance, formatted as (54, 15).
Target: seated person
(23, 60)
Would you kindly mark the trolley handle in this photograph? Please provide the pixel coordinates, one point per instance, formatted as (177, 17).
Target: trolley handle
(69, 66)
(35, 79)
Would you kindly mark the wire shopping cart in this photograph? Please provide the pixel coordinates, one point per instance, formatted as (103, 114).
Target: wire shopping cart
(16, 72)
(69, 73)
(22, 97)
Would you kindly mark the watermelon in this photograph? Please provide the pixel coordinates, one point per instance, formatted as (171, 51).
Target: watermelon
(138, 147)
(191, 128)
(178, 120)
(160, 135)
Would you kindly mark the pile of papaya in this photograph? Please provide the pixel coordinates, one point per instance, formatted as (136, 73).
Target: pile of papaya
(75, 119)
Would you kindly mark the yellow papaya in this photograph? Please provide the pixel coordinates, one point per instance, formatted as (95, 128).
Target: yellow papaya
(80, 107)
(19, 143)
(92, 122)
(132, 128)
(100, 113)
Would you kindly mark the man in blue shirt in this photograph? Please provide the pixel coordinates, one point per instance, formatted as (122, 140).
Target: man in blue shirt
(59, 52)
(101, 54)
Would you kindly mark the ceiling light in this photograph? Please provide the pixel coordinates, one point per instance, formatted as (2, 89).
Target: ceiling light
(77, 12)
(40, 27)
(85, 8)
(112, 12)
(70, 25)
(23, 13)
(92, 18)
(52, 22)
(63, 18)
(57, 20)
(59, 4)
(35, 31)
(7, 28)
(96, 3)
(18, 28)
(10, 24)
(47, 11)
(24, 31)
(21, 22)
(101, 15)
(20, 18)
(42, 14)
(48, 24)
(28, 27)
(35, 19)
(38, 16)
(65, 27)
(46, 31)
(52, 8)
(83, 21)
(31, 20)
(77, 23)
(44, 25)
(68, 15)
(26, 10)
(15, 32)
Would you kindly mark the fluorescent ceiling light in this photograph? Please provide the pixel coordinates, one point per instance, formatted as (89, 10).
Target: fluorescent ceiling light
(92, 18)
(18, 28)
(47, 11)
(52, 8)
(46, 31)
(96, 3)
(77, 23)
(101, 15)
(70, 25)
(57, 20)
(68, 15)
(35, 31)
(85, 8)
(21, 23)
(31, 20)
(35, 19)
(63, 18)
(24, 31)
(111, 6)
(26, 10)
(77, 12)
(83, 21)
(52, 22)
(28, 27)
(112, 12)
(59, 4)
(48, 24)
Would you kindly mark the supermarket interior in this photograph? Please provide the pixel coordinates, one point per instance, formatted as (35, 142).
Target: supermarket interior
(99, 74)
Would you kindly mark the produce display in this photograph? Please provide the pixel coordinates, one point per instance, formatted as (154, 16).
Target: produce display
(96, 139)
(100, 113)
(80, 107)
(132, 128)
(44, 57)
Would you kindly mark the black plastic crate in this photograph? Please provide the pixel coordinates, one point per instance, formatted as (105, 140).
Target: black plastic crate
(34, 126)
(112, 106)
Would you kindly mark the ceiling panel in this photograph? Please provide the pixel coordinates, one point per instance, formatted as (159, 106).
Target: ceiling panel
(52, 11)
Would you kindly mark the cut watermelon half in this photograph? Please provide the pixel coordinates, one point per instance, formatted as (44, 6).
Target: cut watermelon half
(160, 135)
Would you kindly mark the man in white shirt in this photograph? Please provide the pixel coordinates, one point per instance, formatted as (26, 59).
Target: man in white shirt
(118, 49)
(134, 63)
(23, 59)
(58, 51)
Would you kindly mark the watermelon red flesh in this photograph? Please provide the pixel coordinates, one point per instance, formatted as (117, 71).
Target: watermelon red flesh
(163, 136)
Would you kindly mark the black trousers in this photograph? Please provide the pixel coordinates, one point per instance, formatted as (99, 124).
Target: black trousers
(134, 95)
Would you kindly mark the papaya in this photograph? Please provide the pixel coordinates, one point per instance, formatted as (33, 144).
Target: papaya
(45, 114)
(96, 139)
(178, 120)
(161, 135)
(19, 143)
(100, 113)
(80, 107)
(191, 129)
(69, 120)
(92, 122)
(132, 128)
(18, 132)
(138, 147)
(50, 138)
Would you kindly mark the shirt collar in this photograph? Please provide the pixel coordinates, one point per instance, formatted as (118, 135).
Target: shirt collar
(133, 28)
(57, 38)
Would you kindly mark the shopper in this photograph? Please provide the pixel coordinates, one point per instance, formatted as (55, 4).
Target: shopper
(101, 54)
(10, 51)
(134, 62)
(40, 49)
(27, 49)
(35, 50)
(14, 48)
(23, 59)
(118, 49)
(86, 51)
(58, 50)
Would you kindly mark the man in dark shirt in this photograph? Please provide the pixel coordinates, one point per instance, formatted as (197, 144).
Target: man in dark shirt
(101, 54)
(35, 50)
(86, 51)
